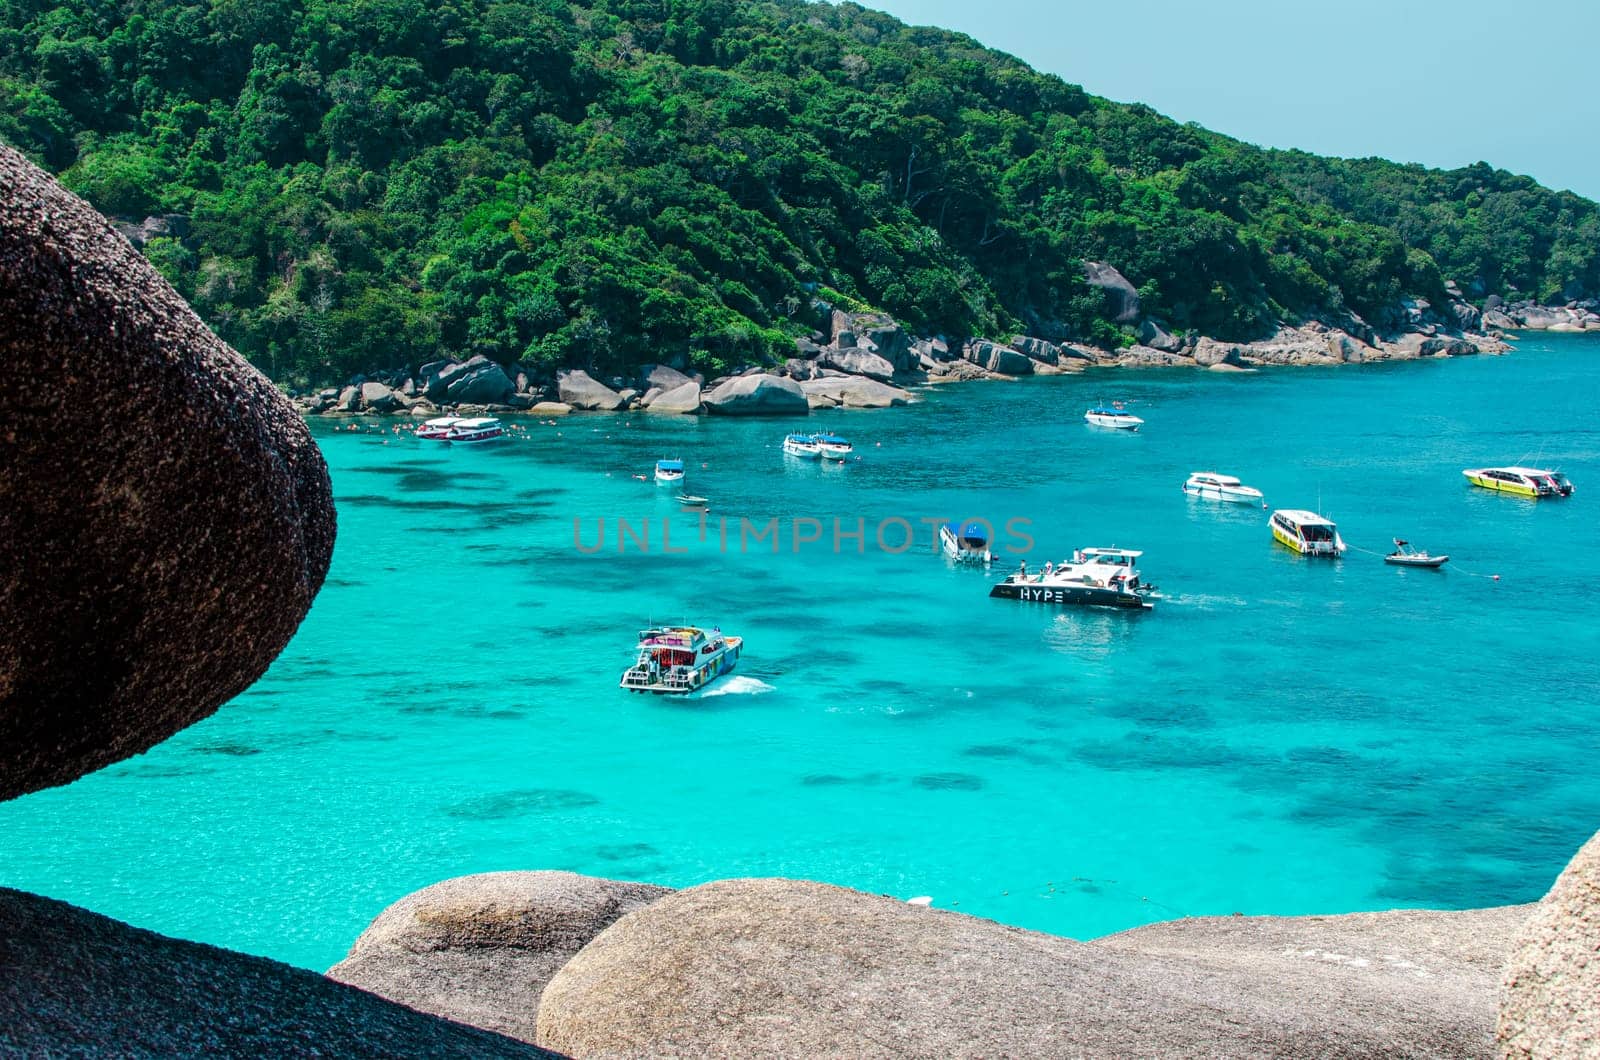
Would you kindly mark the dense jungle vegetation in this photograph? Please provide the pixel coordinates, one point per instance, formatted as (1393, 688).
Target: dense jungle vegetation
(370, 183)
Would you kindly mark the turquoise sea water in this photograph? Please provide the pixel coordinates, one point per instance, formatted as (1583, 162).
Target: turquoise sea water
(1281, 735)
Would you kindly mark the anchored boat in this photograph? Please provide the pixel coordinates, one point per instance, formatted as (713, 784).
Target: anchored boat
(834, 447)
(460, 429)
(1406, 556)
(1307, 533)
(967, 543)
(677, 660)
(802, 445)
(669, 472)
(1113, 416)
(1095, 577)
(1522, 481)
(1211, 486)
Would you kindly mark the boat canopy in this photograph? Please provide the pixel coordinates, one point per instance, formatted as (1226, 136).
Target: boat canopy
(831, 439)
(1301, 517)
(669, 465)
(803, 439)
(442, 421)
(971, 533)
(1102, 410)
(478, 424)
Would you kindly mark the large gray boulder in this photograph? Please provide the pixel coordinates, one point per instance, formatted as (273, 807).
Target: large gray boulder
(74, 983)
(1037, 349)
(852, 392)
(479, 949)
(994, 357)
(757, 395)
(580, 390)
(376, 397)
(857, 362)
(790, 968)
(1157, 337)
(1552, 983)
(663, 376)
(1121, 296)
(680, 400)
(126, 427)
(479, 381)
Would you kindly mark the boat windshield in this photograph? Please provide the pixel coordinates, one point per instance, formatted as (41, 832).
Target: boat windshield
(831, 439)
(1316, 531)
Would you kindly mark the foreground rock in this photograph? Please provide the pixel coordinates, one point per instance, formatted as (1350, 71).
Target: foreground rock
(1552, 984)
(789, 968)
(758, 395)
(682, 400)
(479, 949)
(165, 518)
(73, 983)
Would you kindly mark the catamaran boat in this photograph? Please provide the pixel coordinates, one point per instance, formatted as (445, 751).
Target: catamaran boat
(677, 660)
(1211, 486)
(802, 445)
(1095, 577)
(834, 447)
(1114, 416)
(1406, 556)
(1523, 481)
(461, 429)
(669, 472)
(1307, 533)
(967, 543)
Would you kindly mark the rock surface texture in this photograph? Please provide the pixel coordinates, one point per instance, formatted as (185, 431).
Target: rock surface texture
(789, 968)
(758, 395)
(165, 518)
(73, 983)
(479, 949)
(1552, 984)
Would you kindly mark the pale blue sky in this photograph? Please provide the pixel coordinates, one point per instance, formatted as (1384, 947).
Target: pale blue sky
(1441, 82)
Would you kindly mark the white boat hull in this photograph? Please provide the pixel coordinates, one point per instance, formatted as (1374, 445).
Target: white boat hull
(1116, 423)
(1225, 494)
(802, 452)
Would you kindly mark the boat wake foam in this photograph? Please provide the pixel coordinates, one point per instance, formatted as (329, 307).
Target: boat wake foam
(739, 686)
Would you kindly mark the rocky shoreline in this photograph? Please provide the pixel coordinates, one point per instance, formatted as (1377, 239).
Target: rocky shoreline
(867, 360)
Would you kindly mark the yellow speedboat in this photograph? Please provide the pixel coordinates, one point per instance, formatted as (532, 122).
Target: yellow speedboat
(1522, 481)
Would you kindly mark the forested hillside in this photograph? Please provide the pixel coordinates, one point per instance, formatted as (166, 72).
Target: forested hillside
(365, 183)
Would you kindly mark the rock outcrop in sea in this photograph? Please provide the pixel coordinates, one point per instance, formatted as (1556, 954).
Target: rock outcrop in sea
(1552, 984)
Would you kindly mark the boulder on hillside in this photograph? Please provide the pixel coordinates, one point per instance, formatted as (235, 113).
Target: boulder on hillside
(663, 376)
(580, 390)
(681, 400)
(125, 425)
(1145, 357)
(1208, 352)
(806, 349)
(758, 395)
(1495, 319)
(1551, 1006)
(791, 968)
(479, 381)
(377, 397)
(1157, 337)
(479, 949)
(74, 983)
(993, 357)
(550, 408)
(1037, 349)
(349, 399)
(1121, 296)
(857, 362)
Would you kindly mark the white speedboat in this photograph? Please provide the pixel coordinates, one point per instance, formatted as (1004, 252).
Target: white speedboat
(1113, 416)
(834, 447)
(438, 429)
(966, 543)
(1211, 486)
(1307, 533)
(1094, 577)
(459, 429)
(1522, 481)
(669, 472)
(802, 445)
(677, 660)
(1406, 556)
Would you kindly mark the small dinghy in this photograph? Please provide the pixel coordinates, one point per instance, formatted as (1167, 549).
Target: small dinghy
(689, 500)
(1406, 556)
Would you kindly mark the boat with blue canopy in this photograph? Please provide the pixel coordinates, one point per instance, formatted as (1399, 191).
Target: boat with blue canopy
(834, 447)
(966, 543)
(802, 445)
(1113, 416)
(669, 471)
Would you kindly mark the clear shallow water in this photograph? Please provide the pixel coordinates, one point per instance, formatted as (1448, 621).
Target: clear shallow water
(1281, 735)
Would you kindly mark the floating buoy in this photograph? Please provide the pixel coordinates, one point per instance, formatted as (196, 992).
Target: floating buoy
(1496, 577)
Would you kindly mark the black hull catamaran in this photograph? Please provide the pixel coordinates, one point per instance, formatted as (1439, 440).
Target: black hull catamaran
(1095, 577)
